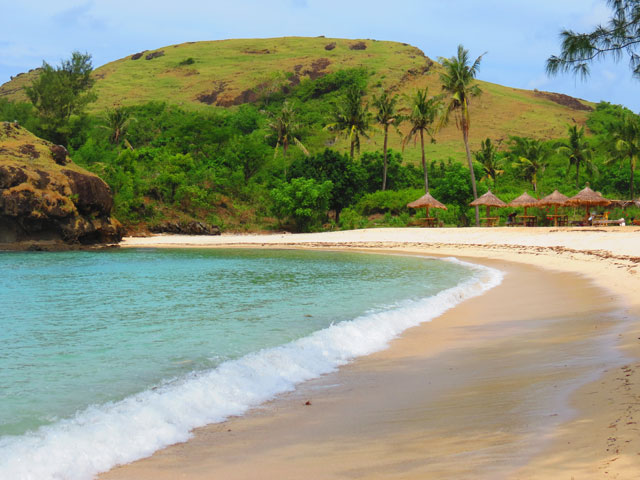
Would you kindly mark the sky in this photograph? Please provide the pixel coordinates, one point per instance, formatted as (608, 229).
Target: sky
(517, 35)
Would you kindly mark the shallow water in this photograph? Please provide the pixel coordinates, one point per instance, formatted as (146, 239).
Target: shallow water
(101, 348)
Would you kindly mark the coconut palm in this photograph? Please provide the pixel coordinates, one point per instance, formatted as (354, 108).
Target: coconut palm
(530, 158)
(387, 115)
(351, 118)
(490, 160)
(457, 81)
(425, 111)
(626, 136)
(577, 150)
(117, 121)
(286, 129)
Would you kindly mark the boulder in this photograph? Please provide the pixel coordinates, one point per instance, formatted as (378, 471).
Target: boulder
(45, 197)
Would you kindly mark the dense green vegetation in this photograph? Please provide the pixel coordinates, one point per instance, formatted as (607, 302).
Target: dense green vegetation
(233, 166)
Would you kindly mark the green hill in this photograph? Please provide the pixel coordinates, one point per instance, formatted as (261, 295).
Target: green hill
(226, 73)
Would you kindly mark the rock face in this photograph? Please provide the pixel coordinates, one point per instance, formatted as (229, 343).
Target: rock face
(186, 228)
(45, 197)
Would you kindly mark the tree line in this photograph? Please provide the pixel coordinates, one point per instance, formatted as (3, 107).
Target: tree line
(270, 164)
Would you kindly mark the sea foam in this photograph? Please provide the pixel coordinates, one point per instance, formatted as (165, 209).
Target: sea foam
(103, 436)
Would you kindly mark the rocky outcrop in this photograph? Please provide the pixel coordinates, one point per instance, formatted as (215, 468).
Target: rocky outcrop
(186, 228)
(45, 197)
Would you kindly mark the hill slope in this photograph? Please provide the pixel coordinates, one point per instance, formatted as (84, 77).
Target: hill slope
(201, 75)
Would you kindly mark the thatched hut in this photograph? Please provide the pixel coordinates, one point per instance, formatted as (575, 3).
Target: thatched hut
(488, 200)
(555, 199)
(588, 198)
(427, 201)
(525, 200)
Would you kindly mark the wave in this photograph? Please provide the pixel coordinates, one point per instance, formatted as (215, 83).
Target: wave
(103, 436)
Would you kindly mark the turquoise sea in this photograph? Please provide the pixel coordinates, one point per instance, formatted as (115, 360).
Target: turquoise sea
(108, 356)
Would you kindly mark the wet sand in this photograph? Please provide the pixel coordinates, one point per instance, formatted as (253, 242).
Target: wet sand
(535, 379)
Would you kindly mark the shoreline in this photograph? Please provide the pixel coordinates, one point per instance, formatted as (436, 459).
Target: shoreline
(592, 434)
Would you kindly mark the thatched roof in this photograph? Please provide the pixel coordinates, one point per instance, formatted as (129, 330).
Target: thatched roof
(426, 201)
(488, 199)
(556, 198)
(588, 197)
(524, 200)
(625, 203)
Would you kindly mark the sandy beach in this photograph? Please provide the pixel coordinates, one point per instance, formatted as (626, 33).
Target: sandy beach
(538, 378)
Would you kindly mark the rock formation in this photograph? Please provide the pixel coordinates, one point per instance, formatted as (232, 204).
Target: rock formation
(46, 198)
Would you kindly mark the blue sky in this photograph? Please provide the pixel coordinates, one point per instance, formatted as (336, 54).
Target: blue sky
(518, 35)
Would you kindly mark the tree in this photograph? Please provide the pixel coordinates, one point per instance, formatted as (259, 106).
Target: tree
(248, 153)
(457, 82)
(117, 123)
(626, 137)
(60, 92)
(530, 158)
(455, 189)
(619, 36)
(577, 150)
(387, 115)
(347, 177)
(490, 160)
(351, 118)
(424, 112)
(286, 130)
(304, 200)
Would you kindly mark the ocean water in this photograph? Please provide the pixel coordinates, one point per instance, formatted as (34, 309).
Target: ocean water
(106, 357)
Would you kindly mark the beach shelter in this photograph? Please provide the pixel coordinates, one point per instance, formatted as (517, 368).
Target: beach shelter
(557, 200)
(426, 201)
(588, 198)
(525, 200)
(488, 200)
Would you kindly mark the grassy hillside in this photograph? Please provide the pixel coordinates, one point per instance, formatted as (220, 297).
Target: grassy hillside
(222, 74)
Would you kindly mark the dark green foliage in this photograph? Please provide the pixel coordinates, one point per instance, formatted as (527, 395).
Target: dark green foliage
(619, 36)
(23, 113)
(425, 111)
(455, 189)
(577, 151)
(604, 118)
(529, 158)
(351, 118)
(391, 201)
(60, 92)
(117, 122)
(491, 161)
(303, 200)
(387, 115)
(399, 176)
(249, 153)
(332, 82)
(346, 176)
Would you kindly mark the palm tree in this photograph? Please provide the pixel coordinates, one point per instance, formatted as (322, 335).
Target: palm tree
(424, 112)
(627, 144)
(530, 158)
(577, 150)
(457, 82)
(351, 118)
(387, 115)
(491, 162)
(286, 130)
(117, 123)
